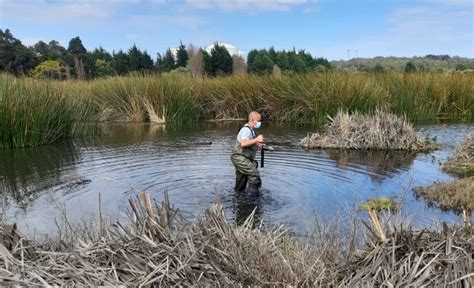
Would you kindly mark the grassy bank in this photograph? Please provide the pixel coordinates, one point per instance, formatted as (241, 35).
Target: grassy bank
(156, 248)
(289, 98)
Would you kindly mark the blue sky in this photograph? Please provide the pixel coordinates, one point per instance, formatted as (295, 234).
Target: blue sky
(329, 29)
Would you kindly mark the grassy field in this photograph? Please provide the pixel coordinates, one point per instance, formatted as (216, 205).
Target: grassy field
(35, 112)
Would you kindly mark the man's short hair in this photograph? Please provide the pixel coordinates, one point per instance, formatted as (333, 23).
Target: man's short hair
(254, 114)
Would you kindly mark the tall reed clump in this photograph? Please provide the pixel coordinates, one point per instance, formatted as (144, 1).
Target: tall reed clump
(380, 131)
(148, 98)
(309, 97)
(36, 112)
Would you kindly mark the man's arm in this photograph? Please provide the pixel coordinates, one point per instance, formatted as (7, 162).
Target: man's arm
(250, 142)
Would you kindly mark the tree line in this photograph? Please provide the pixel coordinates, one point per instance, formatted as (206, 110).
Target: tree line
(51, 60)
(427, 63)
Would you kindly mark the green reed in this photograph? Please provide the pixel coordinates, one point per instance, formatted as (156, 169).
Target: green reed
(36, 112)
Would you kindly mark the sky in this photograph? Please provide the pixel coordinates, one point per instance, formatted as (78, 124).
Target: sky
(334, 29)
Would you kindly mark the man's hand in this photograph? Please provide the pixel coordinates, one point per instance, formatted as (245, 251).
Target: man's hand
(259, 139)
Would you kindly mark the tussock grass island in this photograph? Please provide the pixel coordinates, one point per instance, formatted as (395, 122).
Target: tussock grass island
(157, 248)
(461, 163)
(457, 194)
(35, 112)
(380, 131)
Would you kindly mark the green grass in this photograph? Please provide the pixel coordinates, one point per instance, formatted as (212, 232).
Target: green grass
(379, 204)
(35, 112)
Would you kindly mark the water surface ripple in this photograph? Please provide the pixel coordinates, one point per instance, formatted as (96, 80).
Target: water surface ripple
(39, 184)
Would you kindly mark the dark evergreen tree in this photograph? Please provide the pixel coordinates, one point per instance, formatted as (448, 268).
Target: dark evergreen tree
(76, 54)
(75, 47)
(282, 61)
(52, 51)
(250, 58)
(134, 59)
(221, 61)
(181, 56)
(273, 55)
(296, 64)
(262, 64)
(120, 63)
(14, 56)
(169, 62)
(207, 62)
(146, 61)
(410, 67)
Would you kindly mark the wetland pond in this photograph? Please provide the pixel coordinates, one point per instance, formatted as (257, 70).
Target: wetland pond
(40, 184)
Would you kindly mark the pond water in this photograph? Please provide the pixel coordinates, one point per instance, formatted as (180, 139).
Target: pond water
(40, 184)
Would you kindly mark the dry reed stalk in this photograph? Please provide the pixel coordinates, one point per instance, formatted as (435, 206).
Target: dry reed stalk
(381, 131)
(158, 248)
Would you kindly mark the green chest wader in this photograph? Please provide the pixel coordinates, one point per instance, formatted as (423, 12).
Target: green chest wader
(246, 170)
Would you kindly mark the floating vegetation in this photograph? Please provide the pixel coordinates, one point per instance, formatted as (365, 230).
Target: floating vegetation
(380, 204)
(457, 194)
(158, 248)
(462, 161)
(381, 131)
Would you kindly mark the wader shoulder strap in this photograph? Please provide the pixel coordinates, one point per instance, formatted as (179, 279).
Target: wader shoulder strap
(251, 130)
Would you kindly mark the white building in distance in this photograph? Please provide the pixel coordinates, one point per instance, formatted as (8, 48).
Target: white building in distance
(231, 48)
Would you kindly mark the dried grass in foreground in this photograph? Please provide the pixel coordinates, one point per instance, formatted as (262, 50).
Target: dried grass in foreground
(462, 162)
(156, 248)
(380, 131)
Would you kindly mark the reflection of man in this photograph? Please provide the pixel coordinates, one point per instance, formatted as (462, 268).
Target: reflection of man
(244, 206)
(243, 155)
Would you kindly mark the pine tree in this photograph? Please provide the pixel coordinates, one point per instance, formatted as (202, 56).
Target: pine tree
(262, 64)
(221, 61)
(207, 62)
(181, 56)
(120, 63)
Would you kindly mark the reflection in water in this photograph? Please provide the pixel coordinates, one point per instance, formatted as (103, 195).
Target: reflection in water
(380, 163)
(243, 207)
(22, 171)
(181, 161)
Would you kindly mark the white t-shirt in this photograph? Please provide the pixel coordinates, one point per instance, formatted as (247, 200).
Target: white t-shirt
(245, 133)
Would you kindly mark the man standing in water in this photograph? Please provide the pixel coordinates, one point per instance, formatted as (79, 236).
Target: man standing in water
(243, 155)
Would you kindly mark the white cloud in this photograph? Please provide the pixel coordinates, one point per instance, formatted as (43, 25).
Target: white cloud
(158, 21)
(85, 12)
(247, 5)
